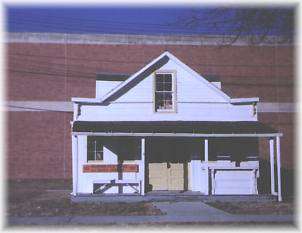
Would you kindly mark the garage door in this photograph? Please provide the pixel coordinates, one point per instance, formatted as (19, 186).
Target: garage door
(234, 182)
(166, 176)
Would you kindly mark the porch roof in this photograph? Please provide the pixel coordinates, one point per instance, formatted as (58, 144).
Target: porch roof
(176, 128)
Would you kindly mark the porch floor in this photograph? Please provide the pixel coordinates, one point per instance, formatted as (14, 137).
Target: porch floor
(173, 196)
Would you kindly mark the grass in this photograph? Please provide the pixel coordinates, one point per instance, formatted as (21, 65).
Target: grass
(51, 198)
(274, 208)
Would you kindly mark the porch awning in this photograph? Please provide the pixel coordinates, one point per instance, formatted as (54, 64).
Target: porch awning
(186, 128)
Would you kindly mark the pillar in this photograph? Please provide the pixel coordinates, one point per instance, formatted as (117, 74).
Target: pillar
(74, 140)
(272, 153)
(279, 168)
(206, 159)
(142, 166)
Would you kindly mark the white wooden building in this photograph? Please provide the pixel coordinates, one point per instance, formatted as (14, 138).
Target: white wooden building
(166, 127)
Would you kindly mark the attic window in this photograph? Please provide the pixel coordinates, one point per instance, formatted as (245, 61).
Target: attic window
(164, 92)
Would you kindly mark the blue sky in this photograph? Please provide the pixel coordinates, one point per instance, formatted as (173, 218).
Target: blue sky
(120, 20)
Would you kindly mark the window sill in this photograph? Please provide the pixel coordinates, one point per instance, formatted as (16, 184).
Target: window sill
(165, 111)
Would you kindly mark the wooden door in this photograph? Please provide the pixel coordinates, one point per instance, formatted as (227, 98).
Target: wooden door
(166, 176)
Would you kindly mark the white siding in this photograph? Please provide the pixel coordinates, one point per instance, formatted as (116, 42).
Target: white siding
(196, 101)
(185, 112)
(103, 87)
(189, 88)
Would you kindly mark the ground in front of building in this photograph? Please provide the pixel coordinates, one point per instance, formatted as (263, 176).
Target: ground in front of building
(275, 208)
(52, 198)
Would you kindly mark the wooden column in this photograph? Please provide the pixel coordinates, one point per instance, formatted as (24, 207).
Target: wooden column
(142, 166)
(272, 153)
(206, 159)
(74, 139)
(279, 168)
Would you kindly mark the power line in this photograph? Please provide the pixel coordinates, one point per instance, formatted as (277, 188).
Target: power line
(223, 82)
(140, 62)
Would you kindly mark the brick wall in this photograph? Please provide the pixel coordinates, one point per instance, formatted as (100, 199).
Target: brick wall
(39, 144)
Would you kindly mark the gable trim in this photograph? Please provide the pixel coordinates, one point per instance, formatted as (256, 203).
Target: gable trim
(134, 79)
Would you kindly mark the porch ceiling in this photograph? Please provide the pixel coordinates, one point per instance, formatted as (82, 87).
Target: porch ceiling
(175, 127)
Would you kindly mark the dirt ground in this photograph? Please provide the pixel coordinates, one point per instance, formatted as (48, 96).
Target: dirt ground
(51, 198)
(275, 208)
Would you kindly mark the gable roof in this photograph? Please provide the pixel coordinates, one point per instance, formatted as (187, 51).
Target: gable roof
(151, 67)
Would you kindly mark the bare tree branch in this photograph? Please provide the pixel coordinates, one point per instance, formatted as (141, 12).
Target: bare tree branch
(258, 24)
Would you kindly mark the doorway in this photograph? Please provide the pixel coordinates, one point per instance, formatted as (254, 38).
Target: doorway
(167, 165)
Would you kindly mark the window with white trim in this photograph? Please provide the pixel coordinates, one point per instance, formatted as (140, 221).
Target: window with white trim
(94, 149)
(164, 92)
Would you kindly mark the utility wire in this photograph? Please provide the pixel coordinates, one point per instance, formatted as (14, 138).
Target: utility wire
(139, 62)
(230, 83)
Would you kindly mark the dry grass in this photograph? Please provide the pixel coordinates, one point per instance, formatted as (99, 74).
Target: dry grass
(275, 208)
(49, 198)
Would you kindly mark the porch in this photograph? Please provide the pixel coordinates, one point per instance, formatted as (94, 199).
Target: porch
(205, 168)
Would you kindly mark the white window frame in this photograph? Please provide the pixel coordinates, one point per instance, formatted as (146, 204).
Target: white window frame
(174, 90)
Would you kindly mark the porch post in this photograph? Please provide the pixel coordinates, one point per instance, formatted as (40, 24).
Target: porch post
(142, 166)
(74, 139)
(279, 168)
(206, 159)
(206, 150)
(272, 153)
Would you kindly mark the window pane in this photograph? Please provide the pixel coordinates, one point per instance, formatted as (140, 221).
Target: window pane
(159, 103)
(160, 77)
(168, 78)
(163, 100)
(168, 86)
(159, 86)
(168, 100)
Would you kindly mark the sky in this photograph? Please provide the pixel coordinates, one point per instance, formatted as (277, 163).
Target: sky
(112, 20)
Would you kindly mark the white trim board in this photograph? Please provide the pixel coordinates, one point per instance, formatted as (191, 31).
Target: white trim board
(66, 106)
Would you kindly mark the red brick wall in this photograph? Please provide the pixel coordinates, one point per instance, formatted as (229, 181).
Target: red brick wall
(39, 144)
(245, 71)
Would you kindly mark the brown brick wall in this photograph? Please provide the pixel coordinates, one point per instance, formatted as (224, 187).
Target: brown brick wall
(39, 143)
(57, 72)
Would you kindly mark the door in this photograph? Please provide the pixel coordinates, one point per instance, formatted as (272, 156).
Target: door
(166, 176)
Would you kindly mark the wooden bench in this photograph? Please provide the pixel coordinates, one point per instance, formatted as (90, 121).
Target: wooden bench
(104, 185)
